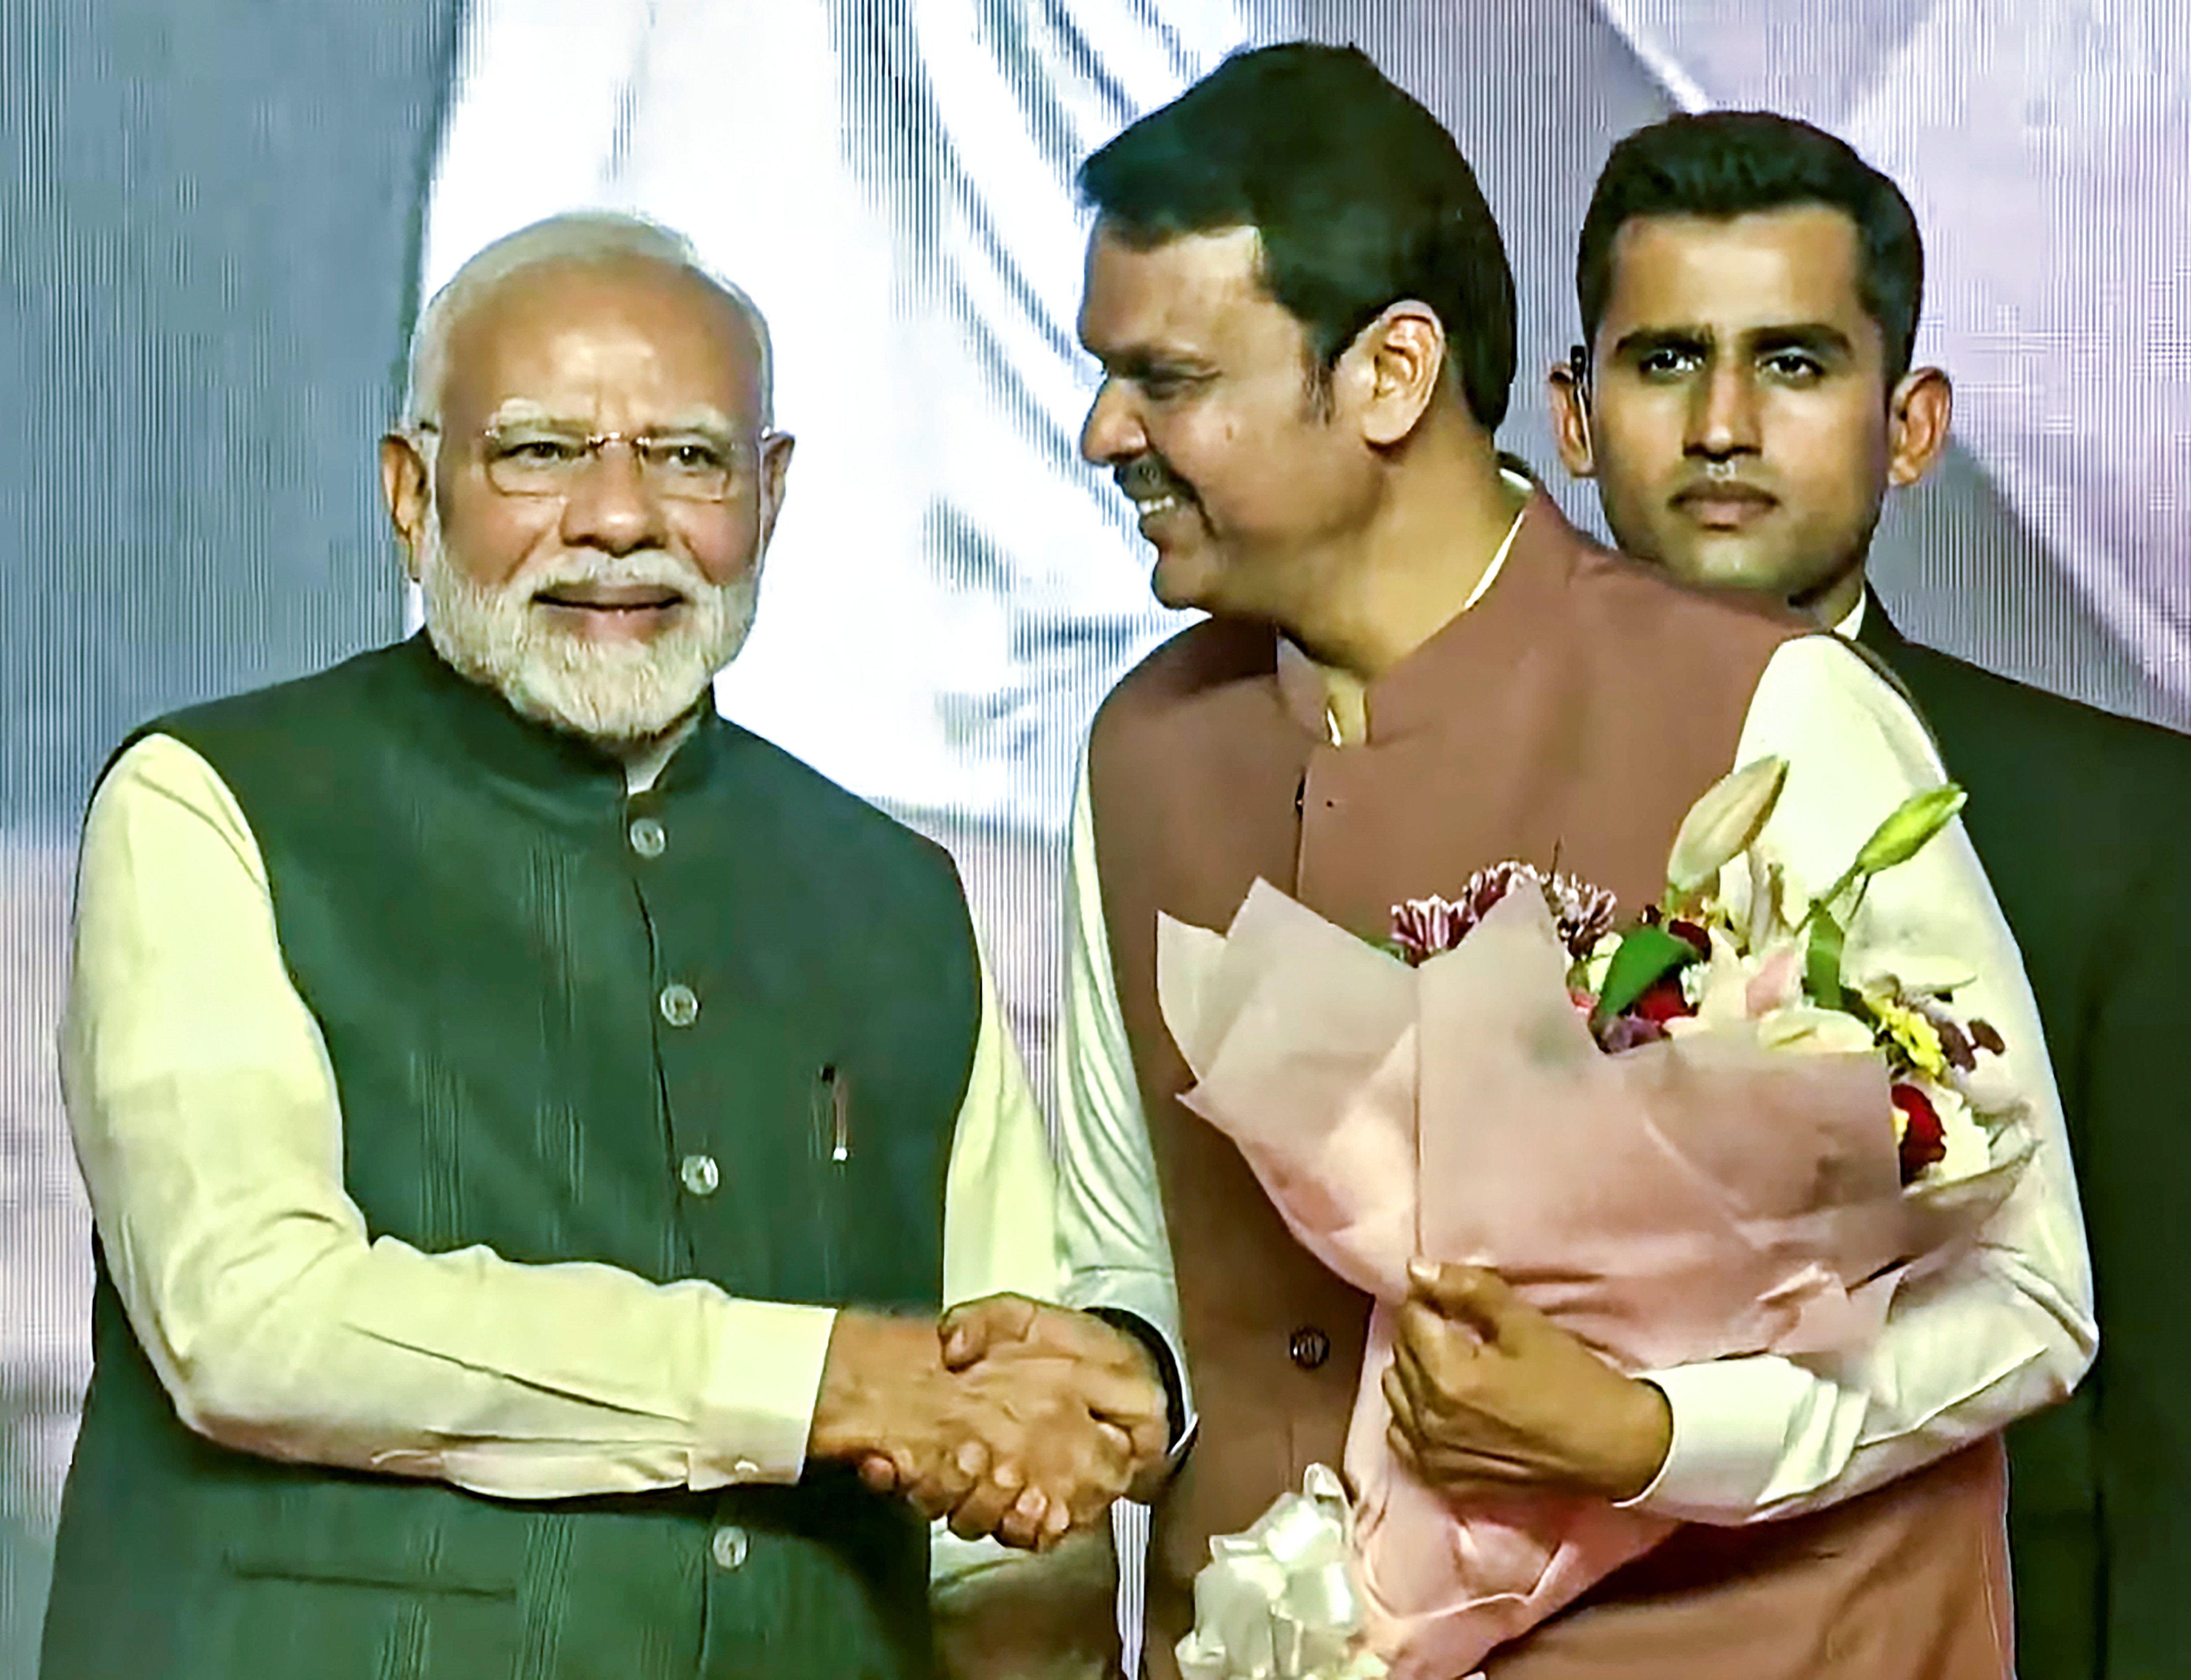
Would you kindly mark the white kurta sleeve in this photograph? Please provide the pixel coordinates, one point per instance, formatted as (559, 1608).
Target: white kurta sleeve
(2007, 1330)
(1116, 1250)
(208, 1129)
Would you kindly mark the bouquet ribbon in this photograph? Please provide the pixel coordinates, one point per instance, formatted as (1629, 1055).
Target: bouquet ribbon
(1279, 1601)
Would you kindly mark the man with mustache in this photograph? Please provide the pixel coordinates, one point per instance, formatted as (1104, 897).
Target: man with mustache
(1412, 667)
(531, 1124)
(1745, 398)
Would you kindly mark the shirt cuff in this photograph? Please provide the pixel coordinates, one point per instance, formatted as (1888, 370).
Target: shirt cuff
(1148, 1297)
(1732, 1421)
(1166, 1362)
(757, 1408)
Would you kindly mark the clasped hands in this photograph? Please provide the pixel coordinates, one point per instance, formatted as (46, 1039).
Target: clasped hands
(1009, 1417)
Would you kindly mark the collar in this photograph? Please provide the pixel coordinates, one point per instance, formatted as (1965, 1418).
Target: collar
(538, 762)
(1530, 565)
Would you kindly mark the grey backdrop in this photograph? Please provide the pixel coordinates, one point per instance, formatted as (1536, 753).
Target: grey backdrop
(220, 213)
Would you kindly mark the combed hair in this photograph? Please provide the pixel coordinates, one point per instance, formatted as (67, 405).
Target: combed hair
(576, 237)
(1722, 164)
(1359, 195)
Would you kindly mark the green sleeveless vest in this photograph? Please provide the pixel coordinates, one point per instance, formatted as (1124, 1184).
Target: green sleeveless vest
(545, 1003)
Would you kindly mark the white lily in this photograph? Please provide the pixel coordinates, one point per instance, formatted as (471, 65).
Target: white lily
(1722, 825)
(1732, 986)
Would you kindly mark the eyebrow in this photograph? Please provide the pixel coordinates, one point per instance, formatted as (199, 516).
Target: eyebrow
(1821, 338)
(1138, 361)
(704, 419)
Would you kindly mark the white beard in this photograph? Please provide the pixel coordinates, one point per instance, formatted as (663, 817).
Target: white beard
(616, 693)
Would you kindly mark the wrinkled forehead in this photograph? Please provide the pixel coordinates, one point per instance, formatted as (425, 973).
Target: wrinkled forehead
(1189, 291)
(610, 343)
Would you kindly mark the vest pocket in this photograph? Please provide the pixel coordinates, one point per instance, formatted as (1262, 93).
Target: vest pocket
(363, 1536)
(272, 1627)
(332, 1594)
(830, 1147)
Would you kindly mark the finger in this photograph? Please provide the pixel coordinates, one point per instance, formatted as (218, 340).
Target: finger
(1407, 1415)
(1026, 1524)
(969, 1331)
(948, 1477)
(1474, 1295)
(982, 1510)
(1403, 1448)
(1398, 1400)
(1128, 1399)
(1438, 1337)
(879, 1473)
(1437, 1370)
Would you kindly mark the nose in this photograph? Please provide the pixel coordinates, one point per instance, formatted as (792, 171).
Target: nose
(1722, 418)
(611, 506)
(1113, 431)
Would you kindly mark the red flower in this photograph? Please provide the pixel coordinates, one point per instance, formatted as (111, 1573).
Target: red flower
(1923, 1141)
(1662, 1002)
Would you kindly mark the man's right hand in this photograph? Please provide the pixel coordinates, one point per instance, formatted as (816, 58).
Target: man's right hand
(1010, 1448)
(1117, 1377)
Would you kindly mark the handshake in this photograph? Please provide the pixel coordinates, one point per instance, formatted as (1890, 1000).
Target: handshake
(1010, 1418)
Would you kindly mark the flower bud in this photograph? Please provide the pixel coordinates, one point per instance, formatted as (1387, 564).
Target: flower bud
(1905, 834)
(1723, 824)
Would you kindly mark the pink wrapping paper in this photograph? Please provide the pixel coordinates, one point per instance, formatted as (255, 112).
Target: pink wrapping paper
(1686, 1201)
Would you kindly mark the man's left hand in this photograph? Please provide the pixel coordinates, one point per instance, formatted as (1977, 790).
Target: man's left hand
(1488, 1395)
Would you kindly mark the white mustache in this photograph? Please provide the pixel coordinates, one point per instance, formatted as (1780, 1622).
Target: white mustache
(651, 569)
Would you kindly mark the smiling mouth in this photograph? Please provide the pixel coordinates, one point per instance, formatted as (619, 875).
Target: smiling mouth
(1151, 509)
(641, 598)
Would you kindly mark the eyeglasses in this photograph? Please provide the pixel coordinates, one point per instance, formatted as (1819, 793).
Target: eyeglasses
(547, 460)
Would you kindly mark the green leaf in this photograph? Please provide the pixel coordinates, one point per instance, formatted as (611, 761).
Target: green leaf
(1645, 956)
(1822, 959)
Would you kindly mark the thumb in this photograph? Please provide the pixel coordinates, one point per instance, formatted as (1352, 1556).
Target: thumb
(1474, 1295)
(969, 1331)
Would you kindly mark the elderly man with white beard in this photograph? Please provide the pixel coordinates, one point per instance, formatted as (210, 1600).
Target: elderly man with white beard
(532, 1124)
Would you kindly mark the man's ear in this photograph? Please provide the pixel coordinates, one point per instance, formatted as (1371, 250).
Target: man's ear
(1394, 371)
(406, 486)
(1917, 417)
(775, 463)
(1567, 386)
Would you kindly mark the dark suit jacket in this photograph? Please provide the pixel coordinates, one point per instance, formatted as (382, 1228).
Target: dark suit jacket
(2083, 820)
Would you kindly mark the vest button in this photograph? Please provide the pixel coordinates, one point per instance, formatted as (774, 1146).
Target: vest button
(728, 1545)
(700, 1173)
(1309, 1346)
(680, 1007)
(648, 837)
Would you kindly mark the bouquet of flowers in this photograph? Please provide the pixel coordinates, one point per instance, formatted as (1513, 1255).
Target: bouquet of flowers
(1702, 1135)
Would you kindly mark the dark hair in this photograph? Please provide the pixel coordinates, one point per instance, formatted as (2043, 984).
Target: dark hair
(1725, 163)
(1360, 196)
